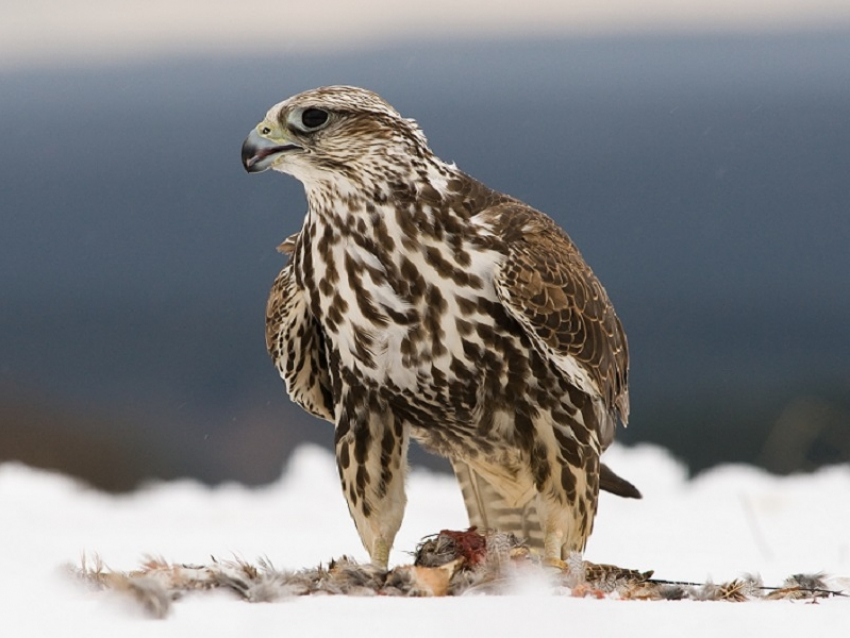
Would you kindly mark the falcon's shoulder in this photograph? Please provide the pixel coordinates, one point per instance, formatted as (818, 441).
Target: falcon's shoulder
(545, 284)
(295, 342)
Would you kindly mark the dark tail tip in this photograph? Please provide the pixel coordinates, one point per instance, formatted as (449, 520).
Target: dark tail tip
(610, 482)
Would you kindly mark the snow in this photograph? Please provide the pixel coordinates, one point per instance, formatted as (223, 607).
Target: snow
(726, 522)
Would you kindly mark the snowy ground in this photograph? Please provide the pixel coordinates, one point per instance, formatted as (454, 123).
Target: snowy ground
(727, 522)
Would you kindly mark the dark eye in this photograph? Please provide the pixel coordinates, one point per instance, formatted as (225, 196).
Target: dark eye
(313, 118)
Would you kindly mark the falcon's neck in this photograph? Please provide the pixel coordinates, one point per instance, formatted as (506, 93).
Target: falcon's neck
(420, 188)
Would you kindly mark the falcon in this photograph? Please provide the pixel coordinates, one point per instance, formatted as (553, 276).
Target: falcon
(418, 302)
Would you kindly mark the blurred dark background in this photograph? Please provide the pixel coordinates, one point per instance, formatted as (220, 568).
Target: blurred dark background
(706, 178)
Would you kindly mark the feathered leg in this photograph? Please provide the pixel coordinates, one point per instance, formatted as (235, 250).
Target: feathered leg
(488, 509)
(566, 474)
(371, 452)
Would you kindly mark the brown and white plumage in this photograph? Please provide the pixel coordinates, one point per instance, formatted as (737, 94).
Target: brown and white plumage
(418, 302)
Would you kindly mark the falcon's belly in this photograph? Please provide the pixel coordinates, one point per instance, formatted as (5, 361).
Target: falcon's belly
(428, 335)
(407, 321)
(432, 338)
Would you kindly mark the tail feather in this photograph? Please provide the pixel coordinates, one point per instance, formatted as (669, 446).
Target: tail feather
(610, 482)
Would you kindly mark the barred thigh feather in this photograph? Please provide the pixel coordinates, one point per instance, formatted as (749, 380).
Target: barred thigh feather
(488, 509)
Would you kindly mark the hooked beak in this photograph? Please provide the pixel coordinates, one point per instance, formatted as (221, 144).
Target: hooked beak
(260, 152)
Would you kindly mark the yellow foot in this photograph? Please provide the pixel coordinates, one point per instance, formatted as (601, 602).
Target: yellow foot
(553, 543)
(380, 553)
(557, 563)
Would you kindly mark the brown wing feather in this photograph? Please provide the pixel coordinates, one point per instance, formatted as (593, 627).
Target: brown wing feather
(295, 344)
(547, 286)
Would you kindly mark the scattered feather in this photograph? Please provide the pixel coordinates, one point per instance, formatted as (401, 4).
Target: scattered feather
(451, 563)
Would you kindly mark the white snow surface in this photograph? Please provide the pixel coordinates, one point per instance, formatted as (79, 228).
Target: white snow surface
(727, 522)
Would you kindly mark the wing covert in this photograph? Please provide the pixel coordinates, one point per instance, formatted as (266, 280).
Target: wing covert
(545, 284)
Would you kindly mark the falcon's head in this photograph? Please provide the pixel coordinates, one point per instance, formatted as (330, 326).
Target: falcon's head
(334, 131)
